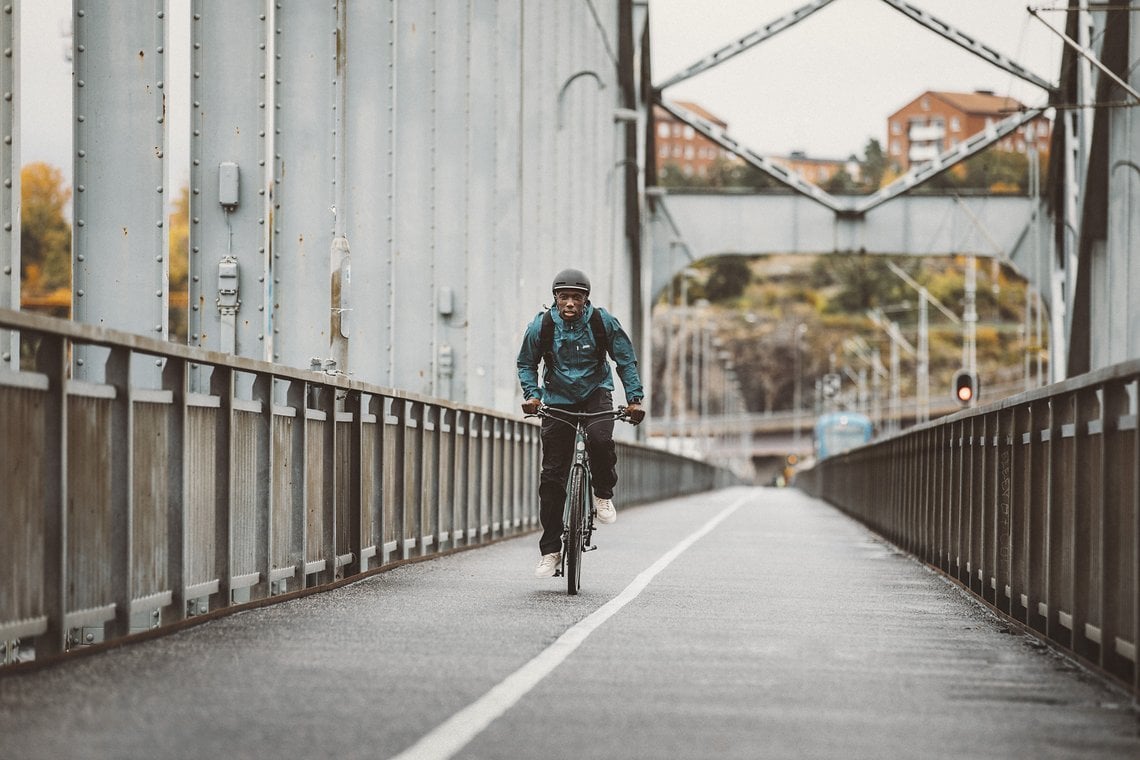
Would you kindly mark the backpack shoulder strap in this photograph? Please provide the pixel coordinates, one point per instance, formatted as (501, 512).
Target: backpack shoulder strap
(601, 340)
(546, 334)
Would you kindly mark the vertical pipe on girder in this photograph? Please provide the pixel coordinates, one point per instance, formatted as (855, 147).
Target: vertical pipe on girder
(340, 262)
(10, 266)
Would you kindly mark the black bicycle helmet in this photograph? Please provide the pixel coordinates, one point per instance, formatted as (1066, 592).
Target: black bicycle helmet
(571, 279)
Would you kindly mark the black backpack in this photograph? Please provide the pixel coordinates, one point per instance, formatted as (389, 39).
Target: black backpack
(546, 336)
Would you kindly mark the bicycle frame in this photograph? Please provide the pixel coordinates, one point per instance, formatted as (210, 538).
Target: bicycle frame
(577, 526)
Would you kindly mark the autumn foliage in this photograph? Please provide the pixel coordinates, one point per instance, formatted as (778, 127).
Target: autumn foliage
(45, 240)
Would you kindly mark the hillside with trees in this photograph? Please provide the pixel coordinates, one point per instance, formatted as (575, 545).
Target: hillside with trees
(754, 308)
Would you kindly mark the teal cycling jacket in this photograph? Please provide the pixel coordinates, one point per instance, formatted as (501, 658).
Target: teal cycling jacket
(576, 372)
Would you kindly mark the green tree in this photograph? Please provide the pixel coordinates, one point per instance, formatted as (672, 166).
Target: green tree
(841, 183)
(45, 235)
(729, 277)
(874, 165)
(998, 171)
(860, 282)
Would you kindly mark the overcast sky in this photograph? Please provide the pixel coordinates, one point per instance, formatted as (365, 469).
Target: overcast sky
(825, 86)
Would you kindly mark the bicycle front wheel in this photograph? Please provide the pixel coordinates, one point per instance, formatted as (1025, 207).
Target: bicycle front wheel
(575, 530)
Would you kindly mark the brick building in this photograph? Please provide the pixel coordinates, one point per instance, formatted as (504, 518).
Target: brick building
(818, 170)
(684, 147)
(937, 121)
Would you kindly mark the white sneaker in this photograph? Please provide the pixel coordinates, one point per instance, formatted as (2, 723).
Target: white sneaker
(548, 565)
(604, 509)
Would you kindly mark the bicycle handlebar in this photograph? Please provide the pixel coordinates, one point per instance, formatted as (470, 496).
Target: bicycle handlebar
(621, 413)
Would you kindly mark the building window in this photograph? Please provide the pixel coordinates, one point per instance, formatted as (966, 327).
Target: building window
(896, 149)
(925, 103)
(676, 130)
(896, 128)
(663, 151)
(955, 124)
(662, 129)
(689, 152)
(689, 132)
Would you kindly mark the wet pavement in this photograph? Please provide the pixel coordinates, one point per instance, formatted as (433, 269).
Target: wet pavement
(744, 623)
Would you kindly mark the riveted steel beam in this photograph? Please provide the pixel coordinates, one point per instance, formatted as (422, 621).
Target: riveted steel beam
(369, 129)
(967, 42)
(120, 234)
(229, 144)
(749, 40)
(303, 200)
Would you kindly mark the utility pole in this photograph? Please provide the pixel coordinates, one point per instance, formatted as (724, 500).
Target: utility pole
(970, 316)
(897, 341)
(922, 390)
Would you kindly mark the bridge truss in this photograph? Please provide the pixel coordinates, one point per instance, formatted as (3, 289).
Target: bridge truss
(1071, 251)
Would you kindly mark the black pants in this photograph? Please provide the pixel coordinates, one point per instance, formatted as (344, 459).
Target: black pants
(558, 455)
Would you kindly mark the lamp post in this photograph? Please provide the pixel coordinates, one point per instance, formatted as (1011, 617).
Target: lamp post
(682, 358)
(797, 393)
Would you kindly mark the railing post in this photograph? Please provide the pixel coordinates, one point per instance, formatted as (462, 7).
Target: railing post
(326, 404)
(222, 386)
(354, 403)
(117, 374)
(264, 457)
(1020, 568)
(447, 524)
(175, 379)
(297, 400)
(1003, 568)
(394, 454)
(1088, 526)
(372, 472)
(462, 525)
(52, 361)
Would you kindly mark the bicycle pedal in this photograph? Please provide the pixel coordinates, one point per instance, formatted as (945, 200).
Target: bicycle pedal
(589, 548)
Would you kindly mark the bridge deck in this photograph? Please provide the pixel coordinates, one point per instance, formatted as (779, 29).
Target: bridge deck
(779, 628)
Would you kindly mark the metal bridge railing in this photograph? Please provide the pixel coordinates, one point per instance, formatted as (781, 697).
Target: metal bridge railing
(1031, 503)
(128, 508)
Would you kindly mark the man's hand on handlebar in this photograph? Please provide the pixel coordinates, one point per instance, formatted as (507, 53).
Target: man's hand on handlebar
(531, 406)
(634, 413)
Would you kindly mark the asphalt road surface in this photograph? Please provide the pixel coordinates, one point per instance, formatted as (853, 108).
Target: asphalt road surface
(746, 623)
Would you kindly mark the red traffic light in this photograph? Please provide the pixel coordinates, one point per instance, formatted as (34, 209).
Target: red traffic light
(965, 387)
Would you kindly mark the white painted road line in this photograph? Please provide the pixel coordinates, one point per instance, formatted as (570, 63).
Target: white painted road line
(457, 731)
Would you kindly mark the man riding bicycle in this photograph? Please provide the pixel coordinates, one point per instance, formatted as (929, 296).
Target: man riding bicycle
(571, 340)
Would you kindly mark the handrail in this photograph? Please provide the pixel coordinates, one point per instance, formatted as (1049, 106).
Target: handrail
(1032, 503)
(130, 509)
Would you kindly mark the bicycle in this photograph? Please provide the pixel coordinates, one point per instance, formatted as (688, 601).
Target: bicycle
(578, 513)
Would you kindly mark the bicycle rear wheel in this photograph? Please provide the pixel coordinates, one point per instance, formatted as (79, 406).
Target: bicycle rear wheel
(574, 530)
